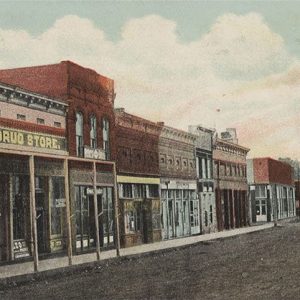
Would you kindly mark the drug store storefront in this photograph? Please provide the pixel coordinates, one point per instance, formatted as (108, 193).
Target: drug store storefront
(32, 192)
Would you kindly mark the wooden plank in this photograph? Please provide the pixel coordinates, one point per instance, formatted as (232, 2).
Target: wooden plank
(68, 211)
(116, 208)
(33, 214)
(96, 211)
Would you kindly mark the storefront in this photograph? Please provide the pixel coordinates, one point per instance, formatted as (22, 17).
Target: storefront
(180, 211)
(16, 236)
(139, 210)
(85, 206)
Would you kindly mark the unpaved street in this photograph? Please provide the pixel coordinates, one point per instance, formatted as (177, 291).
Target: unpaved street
(260, 265)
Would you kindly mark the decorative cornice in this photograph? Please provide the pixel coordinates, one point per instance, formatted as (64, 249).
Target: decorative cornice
(19, 96)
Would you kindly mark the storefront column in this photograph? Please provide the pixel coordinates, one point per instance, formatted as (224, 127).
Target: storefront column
(68, 214)
(33, 214)
(96, 211)
(116, 208)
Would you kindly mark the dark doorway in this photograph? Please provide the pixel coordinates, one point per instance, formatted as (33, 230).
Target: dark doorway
(41, 213)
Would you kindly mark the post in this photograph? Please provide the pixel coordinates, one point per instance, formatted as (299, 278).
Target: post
(68, 214)
(167, 208)
(116, 208)
(33, 214)
(275, 209)
(96, 211)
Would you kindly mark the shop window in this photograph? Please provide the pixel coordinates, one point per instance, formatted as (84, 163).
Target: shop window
(40, 121)
(126, 190)
(20, 206)
(153, 191)
(139, 191)
(21, 117)
(263, 207)
(58, 203)
(133, 218)
(93, 132)
(260, 191)
(79, 134)
(105, 132)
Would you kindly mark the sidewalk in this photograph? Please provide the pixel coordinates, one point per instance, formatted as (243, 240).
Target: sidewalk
(26, 268)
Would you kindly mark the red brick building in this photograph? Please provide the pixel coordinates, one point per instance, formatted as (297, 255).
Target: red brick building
(138, 179)
(90, 132)
(272, 191)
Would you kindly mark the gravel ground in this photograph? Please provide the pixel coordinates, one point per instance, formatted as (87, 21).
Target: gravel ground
(259, 265)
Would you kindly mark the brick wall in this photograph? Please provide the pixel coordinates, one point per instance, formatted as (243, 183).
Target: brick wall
(137, 145)
(83, 89)
(268, 170)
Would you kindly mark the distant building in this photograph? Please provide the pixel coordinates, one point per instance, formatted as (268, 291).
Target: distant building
(205, 180)
(180, 210)
(138, 179)
(297, 196)
(272, 191)
(230, 171)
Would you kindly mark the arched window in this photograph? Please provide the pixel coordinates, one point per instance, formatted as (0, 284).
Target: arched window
(93, 132)
(79, 134)
(105, 131)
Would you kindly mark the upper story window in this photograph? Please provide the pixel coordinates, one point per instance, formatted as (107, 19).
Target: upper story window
(21, 117)
(93, 132)
(40, 121)
(57, 124)
(105, 129)
(79, 134)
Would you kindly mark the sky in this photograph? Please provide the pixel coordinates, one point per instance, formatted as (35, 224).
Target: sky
(220, 64)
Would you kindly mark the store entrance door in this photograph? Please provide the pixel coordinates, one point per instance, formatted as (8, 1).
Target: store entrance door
(194, 216)
(41, 213)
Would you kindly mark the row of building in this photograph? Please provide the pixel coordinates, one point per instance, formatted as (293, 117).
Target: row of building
(78, 174)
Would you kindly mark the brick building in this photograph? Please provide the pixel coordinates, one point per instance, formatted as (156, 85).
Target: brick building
(179, 204)
(272, 191)
(33, 149)
(138, 179)
(90, 133)
(230, 174)
(205, 180)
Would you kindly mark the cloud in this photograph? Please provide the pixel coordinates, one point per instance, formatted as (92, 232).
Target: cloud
(239, 66)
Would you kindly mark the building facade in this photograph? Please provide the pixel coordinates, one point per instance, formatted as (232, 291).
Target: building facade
(272, 190)
(230, 174)
(180, 209)
(205, 180)
(138, 179)
(89, 129)
(33, 148)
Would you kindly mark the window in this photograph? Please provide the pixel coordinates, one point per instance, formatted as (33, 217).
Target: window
(153, 191)
(21, 117)
(57, 204)
(93, 132)
(79, 134)
(133, 218)
(105, 128)
(211, 213)
(139, 191)
(40, 121)
(260, 191)
(126, 190)
(57, 124)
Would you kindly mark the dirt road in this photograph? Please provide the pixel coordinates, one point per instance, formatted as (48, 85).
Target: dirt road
(260, 265)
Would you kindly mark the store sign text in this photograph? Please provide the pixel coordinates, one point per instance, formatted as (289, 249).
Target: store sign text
(31, 139)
